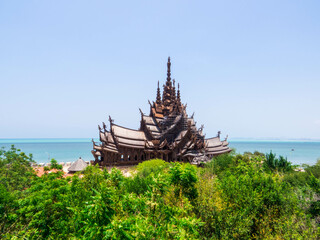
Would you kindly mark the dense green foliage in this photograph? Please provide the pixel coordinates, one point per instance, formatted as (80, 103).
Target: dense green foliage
(277, 164)
(53, 165)
(15, 169)
(249, 196)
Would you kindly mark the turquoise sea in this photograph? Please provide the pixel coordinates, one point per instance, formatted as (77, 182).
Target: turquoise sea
(69, 150)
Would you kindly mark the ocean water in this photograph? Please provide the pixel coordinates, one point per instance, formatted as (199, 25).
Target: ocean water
(69, 150)
(297, 152)
(43, 150)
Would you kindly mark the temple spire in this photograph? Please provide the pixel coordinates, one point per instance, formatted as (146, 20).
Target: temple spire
(178, 94)
(158, 101)
(173, 95)
(168, 71)
(167, 88)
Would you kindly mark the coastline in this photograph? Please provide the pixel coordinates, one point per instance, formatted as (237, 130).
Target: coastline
(70, 149)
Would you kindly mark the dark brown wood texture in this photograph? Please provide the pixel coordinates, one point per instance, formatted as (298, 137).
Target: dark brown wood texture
(167, 133)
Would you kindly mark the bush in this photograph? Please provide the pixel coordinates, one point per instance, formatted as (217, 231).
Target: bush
(232, 197)
(16, 172)
(314, 170)
(151, 166)
(277, 164)
(246, 202)
(296, 179)
(55, 165)
(255, 154)
(138, 185)
(184, 177)
(220, 163)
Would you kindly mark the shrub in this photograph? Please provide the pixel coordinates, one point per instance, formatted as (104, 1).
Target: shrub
(277, 164)
(184, 177)
(16, 172)
(151, 166)
(255, 154)
(314, 170)
(296, 179)
(220, 163)
(55, 165)
(246, 202)
(138, 184)
(116, 177)
(233, 197)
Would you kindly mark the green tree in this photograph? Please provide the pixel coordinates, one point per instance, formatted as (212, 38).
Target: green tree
(16, 172)
(277, 164)
(184, 177)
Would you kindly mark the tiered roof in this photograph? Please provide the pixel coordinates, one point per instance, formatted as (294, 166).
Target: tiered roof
(167, 129)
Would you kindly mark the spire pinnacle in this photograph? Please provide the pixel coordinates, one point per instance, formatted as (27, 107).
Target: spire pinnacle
(169, 71)
(178, 94)
(167, 88)
(173, 95)
(158, 101)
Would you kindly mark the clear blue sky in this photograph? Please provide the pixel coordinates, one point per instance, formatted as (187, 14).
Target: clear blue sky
(248, 68)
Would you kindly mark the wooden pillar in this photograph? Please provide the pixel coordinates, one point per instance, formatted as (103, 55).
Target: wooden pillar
(130, 157)
(114, 158)
(124, 155)
(127, 155)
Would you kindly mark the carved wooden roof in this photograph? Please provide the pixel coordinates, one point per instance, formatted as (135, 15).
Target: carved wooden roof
(167, 127)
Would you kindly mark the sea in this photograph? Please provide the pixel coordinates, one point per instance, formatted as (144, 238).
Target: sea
(70, 149)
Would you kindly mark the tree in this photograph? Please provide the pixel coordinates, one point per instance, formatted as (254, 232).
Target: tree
(16, 172)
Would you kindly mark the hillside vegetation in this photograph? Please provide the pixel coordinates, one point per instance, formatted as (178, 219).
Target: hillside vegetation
(250, 196)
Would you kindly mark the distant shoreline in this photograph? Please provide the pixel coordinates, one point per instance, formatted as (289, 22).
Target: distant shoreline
(69, 149)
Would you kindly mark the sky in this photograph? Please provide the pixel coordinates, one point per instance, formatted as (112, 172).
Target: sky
(250, 69)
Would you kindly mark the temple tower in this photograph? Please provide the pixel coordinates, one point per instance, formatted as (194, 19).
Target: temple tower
(178, 95)
(167, 132)
(167, 88)
(158, 101)
(173, 95)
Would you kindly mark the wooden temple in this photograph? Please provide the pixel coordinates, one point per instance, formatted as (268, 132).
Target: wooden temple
(167, 133)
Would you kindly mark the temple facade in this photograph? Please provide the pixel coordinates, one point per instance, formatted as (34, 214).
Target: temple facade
(167, 133)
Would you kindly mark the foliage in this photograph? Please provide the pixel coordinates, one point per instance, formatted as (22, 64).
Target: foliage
(44, 210)
(314, 170)
(277, 164)
(152, 166)
(16, 175)
(54, 164)
(220, 163)
(248, 202)
(184, 177)
(297, 179)
(255, 154)
(15, 169)
(232, 197)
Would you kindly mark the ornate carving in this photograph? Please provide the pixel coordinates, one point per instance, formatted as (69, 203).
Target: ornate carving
(167, 132)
